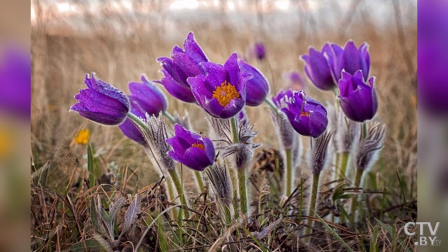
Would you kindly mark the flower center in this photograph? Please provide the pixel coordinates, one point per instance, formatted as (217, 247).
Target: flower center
(198, 145)
(304, 113)
(225, 93)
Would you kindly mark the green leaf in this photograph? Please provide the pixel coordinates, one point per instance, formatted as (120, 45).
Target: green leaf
(91, 166)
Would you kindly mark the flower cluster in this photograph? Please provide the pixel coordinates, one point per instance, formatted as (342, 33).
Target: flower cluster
(348, 69)
(223, 91)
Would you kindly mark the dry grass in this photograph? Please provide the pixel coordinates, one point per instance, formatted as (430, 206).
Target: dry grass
(61, 57)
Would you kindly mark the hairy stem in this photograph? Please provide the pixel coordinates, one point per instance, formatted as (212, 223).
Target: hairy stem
(171, 196)
(289, 173)
(354, 204)
(227, 214)
(343, 164)
(234, 126)
(271, 104)
(180, 190)
(241, 172)
(137, 120)
(199, 181)
(313, 200)
(243, 190)
(234, 180)
(169, 116)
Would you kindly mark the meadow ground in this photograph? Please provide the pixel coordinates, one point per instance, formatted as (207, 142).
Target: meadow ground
(62, 55)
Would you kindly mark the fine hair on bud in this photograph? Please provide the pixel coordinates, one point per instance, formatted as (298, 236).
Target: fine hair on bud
(156, 136)
(285, 132)
(182, 121)
(220, 182)
(220, 130)
(369, 147)
(243, 154)
(347, 131)
(243, 150)
(319, 152)
(297, 152)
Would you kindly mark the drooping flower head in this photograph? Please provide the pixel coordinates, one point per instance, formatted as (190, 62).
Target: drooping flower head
(357, 98)
(128, 127)
(306, 115)
(222, 91)
(181, 65)
(149, 96)
(191, 149)
(101, 102)
(318, 68)
(257, 88)
(258, 50)
(350, 58)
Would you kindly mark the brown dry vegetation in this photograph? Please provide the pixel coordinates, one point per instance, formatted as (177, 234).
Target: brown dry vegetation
(61, 57)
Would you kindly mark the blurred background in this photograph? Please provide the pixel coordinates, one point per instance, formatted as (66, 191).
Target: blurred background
(120, 40)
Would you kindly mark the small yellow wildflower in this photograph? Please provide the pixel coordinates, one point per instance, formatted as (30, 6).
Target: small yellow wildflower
(82, 137)
(5, 142)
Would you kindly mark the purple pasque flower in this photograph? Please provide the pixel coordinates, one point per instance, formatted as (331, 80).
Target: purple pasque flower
(259, 50)
(357, 98)
(222, 92)
(182, 65)
(128, 128)
(191, 149)
(15, 80)
(149, 96)
(282, 95)
(318, 68)
(350, 58)
(101, 102)
(294, 80)
(257, 88)
(306, 115)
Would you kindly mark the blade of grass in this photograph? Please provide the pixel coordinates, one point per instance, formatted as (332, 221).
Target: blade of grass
(373, 244)
(334, 234)
(90, 166)
(391, 231)
(259, 243)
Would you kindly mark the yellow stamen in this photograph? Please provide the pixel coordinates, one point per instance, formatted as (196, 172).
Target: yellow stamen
(198, 145)
(304, 113)
(82, 137)
(225, 93)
